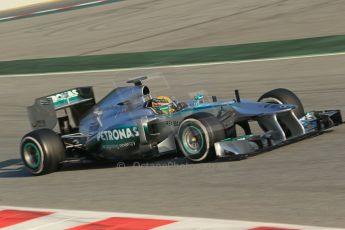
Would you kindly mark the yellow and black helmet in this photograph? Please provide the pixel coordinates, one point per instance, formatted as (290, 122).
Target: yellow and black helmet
(163, 105)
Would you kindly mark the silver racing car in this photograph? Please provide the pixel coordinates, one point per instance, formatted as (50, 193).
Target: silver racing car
(130, 124)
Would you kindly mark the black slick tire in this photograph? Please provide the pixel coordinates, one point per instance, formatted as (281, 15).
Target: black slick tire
(42, 151)
(196, 137)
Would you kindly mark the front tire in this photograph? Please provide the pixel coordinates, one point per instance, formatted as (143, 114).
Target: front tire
(197, 135)
(42, 151)
(284, 96)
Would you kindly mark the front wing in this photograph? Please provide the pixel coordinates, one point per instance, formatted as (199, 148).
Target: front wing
(313, 123)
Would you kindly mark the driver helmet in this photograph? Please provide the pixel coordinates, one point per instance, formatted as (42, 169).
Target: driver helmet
(163, 105)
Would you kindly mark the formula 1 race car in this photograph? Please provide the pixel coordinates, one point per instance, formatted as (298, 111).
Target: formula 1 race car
(130, 124)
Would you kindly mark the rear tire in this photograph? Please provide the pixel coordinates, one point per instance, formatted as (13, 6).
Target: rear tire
(42, 151)
(197, 135)
(284, 96)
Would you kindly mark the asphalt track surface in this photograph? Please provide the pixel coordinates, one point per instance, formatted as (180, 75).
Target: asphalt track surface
(301, 183)
(142, 25)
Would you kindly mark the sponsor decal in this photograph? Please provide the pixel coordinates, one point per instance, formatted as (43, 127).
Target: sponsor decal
(65, 97)
(118, 134)
(114, 147)
(173, 123)
(117, 139)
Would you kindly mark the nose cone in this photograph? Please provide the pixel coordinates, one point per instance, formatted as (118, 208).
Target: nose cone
(248, 108)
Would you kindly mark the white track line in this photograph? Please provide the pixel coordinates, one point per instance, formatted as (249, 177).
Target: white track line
(173, 66)
(52, 10)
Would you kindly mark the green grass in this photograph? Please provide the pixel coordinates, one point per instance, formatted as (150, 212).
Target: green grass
(273, 49)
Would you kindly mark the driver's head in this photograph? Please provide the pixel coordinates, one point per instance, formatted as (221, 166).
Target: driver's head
(163, 105)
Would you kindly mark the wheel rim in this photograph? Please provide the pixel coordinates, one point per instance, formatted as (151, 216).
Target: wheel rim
(32, 155)
(193, 140)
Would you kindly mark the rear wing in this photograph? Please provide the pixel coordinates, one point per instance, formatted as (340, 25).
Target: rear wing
(43, 114)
